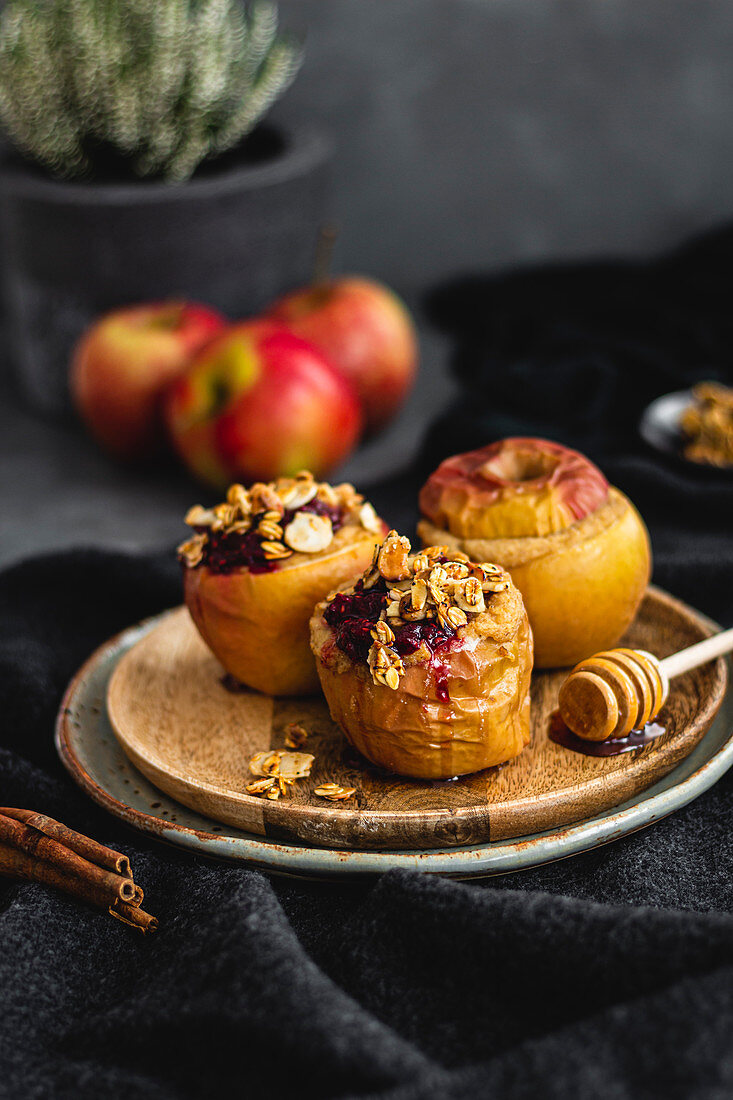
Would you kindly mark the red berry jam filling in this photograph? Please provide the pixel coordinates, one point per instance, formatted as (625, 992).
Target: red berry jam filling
(229, 550)
(352, 616)
(437, 640)
(226, 551)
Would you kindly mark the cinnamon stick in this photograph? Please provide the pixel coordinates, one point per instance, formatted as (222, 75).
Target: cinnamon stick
(20, 865)
(77, 842)
(134, 917)
(65, 863)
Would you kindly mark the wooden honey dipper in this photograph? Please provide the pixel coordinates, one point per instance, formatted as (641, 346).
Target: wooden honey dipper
(620, 690)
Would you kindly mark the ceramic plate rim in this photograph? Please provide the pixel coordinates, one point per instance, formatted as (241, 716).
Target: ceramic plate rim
(474, 860)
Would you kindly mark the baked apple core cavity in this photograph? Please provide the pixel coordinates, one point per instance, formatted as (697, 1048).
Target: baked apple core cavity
(520, 465)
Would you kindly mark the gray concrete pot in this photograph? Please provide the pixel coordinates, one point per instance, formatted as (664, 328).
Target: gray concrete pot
(233, 238)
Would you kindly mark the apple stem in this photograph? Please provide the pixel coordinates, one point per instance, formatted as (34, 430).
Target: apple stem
(327, 235)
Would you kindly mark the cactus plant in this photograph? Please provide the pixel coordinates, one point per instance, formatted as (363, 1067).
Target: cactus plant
(163, 84)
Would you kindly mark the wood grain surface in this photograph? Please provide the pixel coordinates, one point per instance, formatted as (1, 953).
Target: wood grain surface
(193, 738)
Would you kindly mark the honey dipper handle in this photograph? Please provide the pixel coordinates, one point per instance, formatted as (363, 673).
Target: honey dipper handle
(698, 654)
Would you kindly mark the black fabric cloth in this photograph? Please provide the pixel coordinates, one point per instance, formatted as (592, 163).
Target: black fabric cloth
(575, 353)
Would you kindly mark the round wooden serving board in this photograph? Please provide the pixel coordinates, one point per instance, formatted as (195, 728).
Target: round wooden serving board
(193, 738)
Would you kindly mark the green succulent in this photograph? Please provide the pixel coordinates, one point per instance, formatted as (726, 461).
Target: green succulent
(162, 84)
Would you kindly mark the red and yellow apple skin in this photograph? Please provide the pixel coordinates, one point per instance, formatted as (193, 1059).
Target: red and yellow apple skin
(124, 362)
(260, 403)
(584, 568)
(514, 487)
(365, 332)
(256, 624)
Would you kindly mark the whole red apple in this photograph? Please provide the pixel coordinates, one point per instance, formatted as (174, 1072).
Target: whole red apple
(122, 365)
(365, 331)
(259, 403)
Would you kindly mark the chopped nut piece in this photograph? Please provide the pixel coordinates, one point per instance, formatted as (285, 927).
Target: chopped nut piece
(295, 735)
(408, 611)
(392, 678)
(419, 593)
(279, 762)
(261, 786)
(226, 514)
(456, 617)
(192, 551)
(328, 495)
(369, 519)
(393, 557)
(382, 632)
(437, 584)
(420, 563)
(295, 765)
(265, 763)
(347, 493)
(379, 656)
(299, 493)
(265, 499)
(456, 570)
(393, 609)
(239, 498)
(370, 579)
(333, 792)
(372, 574)
(385, 664)
(308, 533)
(434, 552)
(199, 517)
(495, 585)
(469, 595)
(451, 618)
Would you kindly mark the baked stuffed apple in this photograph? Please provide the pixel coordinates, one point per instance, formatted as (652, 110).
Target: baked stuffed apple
(258, 564)
(426, 661)
(575, 546)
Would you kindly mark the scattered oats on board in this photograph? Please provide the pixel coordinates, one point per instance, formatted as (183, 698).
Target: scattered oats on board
(333, 792)
(279, 769)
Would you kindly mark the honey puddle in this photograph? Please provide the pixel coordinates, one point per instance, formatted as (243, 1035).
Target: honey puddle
(561, 735)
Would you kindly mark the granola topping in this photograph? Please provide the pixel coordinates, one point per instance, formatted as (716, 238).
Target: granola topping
(333, 792)
(407, 601)
(278, 770)
(295, 735)
(708, 425)
(258, 527)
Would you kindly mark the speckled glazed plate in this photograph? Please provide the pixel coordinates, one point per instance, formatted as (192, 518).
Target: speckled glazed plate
(90, 751)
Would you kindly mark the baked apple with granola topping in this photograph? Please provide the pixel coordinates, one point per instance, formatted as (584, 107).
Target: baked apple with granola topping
(426, 661)
(257, 565)
(575, 546)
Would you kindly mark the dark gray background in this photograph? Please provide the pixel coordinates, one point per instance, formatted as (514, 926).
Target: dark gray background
(479, 133)
(470, 135)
